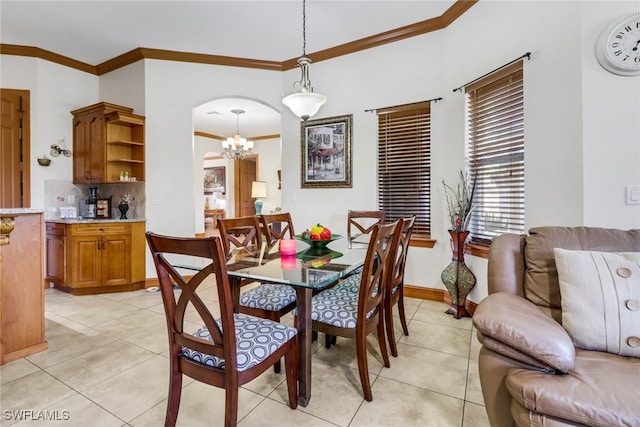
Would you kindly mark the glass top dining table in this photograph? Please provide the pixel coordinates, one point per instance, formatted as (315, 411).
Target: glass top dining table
(308, 271)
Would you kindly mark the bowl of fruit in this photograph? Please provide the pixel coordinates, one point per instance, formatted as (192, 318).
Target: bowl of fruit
(318, 236)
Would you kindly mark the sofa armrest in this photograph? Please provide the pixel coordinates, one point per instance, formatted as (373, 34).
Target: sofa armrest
(516, 328)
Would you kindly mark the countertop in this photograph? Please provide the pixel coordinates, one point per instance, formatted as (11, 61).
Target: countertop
(19, 211)
(92, 221)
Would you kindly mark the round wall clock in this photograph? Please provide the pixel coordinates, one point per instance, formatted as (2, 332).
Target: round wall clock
(618, 47)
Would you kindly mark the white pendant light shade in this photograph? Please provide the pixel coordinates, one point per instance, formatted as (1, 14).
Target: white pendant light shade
(304, 105)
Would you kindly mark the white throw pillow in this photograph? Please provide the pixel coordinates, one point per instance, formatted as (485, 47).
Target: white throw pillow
(601, 299)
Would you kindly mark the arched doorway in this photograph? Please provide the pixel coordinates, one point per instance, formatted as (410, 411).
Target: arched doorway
(213, 122)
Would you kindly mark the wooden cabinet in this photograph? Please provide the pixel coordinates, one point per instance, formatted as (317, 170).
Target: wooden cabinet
(21, 289)
(107, 139)
(55, 243)
(100, 257)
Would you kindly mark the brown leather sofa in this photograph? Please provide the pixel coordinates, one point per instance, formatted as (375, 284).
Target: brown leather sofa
(530, 371)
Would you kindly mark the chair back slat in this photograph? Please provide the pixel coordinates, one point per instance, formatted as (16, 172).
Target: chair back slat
(241, 232)
(398, 260)
(271, 233)
(361, 223)
(371, 294)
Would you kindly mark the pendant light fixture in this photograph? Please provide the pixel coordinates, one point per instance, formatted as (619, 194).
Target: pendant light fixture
(236, 147)
(304, 103)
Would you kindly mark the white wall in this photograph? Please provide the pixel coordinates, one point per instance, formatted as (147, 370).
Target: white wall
(55, 91)
(611, 127)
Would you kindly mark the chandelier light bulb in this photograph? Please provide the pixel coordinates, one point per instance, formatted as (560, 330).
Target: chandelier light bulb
(236, 147)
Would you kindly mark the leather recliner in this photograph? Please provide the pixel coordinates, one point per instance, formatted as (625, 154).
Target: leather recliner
(530, 371)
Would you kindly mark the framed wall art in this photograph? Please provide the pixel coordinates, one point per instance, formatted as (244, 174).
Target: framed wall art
(214, 180)
(326, 152)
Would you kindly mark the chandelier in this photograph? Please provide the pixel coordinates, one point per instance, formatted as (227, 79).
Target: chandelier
(236, 147)
(304, 103)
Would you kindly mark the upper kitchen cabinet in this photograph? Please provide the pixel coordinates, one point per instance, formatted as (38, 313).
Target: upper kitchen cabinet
(108, 144)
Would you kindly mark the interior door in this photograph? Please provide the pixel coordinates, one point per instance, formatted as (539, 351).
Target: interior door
(15, 164)
(246, 171)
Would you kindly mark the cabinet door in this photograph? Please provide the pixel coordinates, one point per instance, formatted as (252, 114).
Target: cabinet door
(55, 250)
(81, 148)
(89, 149)
(116, 260)
(97, 155)
(85, 261)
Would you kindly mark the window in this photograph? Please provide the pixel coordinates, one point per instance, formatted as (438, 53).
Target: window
(495, 153)
(404, 164)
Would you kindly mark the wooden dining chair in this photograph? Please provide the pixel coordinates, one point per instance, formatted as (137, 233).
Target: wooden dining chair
(277, 227)
(268, 300)
(361, 223)
(241, 232)
(356, 315)
(394, 284)
(219, 353)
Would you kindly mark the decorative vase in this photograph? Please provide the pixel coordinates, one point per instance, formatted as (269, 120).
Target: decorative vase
(457, 277)
(124, 207)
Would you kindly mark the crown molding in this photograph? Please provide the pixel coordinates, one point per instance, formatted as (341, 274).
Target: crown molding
(172, 55)
(408, 31)
(36, 52)
(135, 55)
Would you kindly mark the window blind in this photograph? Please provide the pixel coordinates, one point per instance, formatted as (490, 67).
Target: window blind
(404, 164)
(495, 153)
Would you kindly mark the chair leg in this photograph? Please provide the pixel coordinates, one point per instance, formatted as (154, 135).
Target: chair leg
(277, 367)
(363, 368)
(403, 318)
(291, 370)
(231, 406)
(327, 341)
(173, 401)
(382, 342)
(391, 336)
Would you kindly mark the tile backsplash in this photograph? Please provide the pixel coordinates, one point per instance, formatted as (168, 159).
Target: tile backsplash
(65, 193)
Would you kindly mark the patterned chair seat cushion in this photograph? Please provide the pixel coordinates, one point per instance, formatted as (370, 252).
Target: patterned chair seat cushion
(350, 284)
(268, 296)
(336, 308)
(256, 339)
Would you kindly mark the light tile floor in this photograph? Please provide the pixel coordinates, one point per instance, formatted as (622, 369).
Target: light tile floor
(107, 366)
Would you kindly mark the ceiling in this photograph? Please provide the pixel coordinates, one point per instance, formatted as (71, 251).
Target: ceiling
(97, 31)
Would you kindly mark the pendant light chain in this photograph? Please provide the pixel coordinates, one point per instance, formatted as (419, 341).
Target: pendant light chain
(303, 102)
(304, 28)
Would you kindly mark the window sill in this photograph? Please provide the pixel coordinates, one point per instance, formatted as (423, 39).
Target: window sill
(422, 242)
(475, 249)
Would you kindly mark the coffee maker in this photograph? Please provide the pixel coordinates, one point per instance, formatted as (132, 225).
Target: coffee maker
(90, 203)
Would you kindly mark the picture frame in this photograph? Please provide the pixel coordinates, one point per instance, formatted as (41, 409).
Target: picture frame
(214, 180)
(326, 152)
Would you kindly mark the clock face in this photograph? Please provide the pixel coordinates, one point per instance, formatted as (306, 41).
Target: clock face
(618, 48)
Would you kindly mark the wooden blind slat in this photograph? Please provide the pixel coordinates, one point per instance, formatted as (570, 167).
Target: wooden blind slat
(495, 153)
(404, 164)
